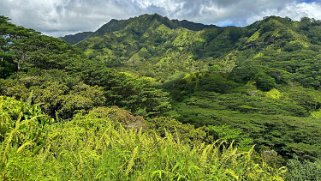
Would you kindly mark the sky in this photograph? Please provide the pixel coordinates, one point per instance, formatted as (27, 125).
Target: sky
(61, 17)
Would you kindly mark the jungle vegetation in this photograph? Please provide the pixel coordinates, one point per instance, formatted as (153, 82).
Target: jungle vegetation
(151, 98)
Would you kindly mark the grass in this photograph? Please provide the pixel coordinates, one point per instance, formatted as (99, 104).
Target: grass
(100, 148)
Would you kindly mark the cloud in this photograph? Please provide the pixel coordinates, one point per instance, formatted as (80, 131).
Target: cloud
(59, 17)
(294, 10)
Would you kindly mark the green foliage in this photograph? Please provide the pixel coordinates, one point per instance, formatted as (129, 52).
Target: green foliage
(308, 98)
(23, 118)
(139, 95)
(274, 94)
(26, 48)
(6, 67)
(90, 147)
(231, 135)
(304, 170)
(264, 82)
(251, 72)
(185, 132)
(57, 93)
(189, 83)
(22, 131)
(269, 122)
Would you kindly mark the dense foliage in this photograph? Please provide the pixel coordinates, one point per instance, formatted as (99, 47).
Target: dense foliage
(96, 146)
(257, 85)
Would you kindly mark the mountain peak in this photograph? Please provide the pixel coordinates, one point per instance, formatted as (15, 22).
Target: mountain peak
(154, 16)
(144, 21)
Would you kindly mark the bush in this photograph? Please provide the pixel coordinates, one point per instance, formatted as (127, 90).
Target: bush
(264, 82)
(304, 170)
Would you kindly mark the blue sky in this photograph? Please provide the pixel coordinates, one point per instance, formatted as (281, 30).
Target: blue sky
(60, 17)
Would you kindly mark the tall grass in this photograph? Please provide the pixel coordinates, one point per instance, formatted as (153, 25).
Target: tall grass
(88, 148)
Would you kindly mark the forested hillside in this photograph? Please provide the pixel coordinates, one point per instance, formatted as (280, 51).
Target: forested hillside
(263, 79)
(151, 98)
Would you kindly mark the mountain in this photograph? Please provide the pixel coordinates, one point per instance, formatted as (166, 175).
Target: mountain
(73, 39)
(117, 25)
(235, 76)
(161, 48)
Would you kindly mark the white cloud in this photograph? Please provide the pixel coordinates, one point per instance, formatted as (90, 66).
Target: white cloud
(58, 17)
(294, 10)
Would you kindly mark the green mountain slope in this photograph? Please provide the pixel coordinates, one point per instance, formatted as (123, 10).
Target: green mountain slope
(151, 45)
(226, 76)
(145, 43)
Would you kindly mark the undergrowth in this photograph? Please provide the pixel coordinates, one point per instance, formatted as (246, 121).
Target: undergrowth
(100, 148)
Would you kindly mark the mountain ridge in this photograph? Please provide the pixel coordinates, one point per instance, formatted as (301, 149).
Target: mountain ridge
(152, 34)
(75, 38)
(116, 25)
